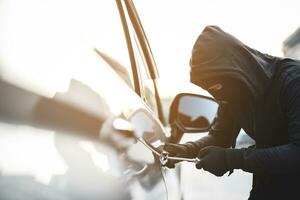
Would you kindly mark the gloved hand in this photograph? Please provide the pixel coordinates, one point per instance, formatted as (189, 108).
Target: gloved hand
(213, 159)
(180, 150)
(218, 160)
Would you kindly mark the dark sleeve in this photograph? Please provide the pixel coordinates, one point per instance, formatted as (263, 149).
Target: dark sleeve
(285, 158)
(223, 133)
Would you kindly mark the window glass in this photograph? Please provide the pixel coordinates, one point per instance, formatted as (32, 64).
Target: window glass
(147, 87)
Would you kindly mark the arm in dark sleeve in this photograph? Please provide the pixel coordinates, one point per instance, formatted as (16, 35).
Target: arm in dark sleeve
(223, 133)
(278, 159)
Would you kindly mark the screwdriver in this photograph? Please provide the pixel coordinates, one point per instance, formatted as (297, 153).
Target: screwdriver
(164, 157)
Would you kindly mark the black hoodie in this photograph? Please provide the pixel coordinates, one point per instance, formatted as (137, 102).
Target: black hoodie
(273, 120)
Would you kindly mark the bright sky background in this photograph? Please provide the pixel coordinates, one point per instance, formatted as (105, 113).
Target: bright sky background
(42, 41)
(173, 26)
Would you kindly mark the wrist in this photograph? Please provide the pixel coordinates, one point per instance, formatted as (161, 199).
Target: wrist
(234, 158)
(194, 147)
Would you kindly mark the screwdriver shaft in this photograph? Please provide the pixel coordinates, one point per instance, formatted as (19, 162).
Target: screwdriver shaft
(195, 160)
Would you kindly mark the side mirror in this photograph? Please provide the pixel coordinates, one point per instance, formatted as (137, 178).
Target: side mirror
(193, 113)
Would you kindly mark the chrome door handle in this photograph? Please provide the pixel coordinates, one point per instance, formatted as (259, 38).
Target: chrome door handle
(132, 172)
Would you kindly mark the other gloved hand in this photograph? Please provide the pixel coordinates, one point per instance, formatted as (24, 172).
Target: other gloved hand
(179, 150)
(213, 160)
(218, 160)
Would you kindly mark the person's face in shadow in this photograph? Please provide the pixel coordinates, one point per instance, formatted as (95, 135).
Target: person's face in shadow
(229, 90)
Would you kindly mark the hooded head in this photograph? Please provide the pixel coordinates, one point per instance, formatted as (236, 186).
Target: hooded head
(227, 68)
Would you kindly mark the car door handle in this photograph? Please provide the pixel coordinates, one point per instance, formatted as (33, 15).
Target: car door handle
(133, 172)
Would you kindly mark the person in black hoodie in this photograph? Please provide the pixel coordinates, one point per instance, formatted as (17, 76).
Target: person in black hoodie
(258, 93)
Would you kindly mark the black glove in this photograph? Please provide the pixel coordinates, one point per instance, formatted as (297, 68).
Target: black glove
(186, 150)
(219, 160)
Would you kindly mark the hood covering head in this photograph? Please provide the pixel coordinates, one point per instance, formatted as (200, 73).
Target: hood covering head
(218, 56)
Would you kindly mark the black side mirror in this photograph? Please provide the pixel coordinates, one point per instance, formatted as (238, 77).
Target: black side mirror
(193, 113)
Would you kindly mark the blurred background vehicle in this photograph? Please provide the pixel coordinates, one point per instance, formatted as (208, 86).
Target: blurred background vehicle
(291, 46)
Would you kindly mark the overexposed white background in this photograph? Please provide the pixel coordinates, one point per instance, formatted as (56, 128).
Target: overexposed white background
(173, 26)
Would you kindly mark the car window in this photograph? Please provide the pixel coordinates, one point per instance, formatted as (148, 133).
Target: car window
(147, 87)
(146, 81)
